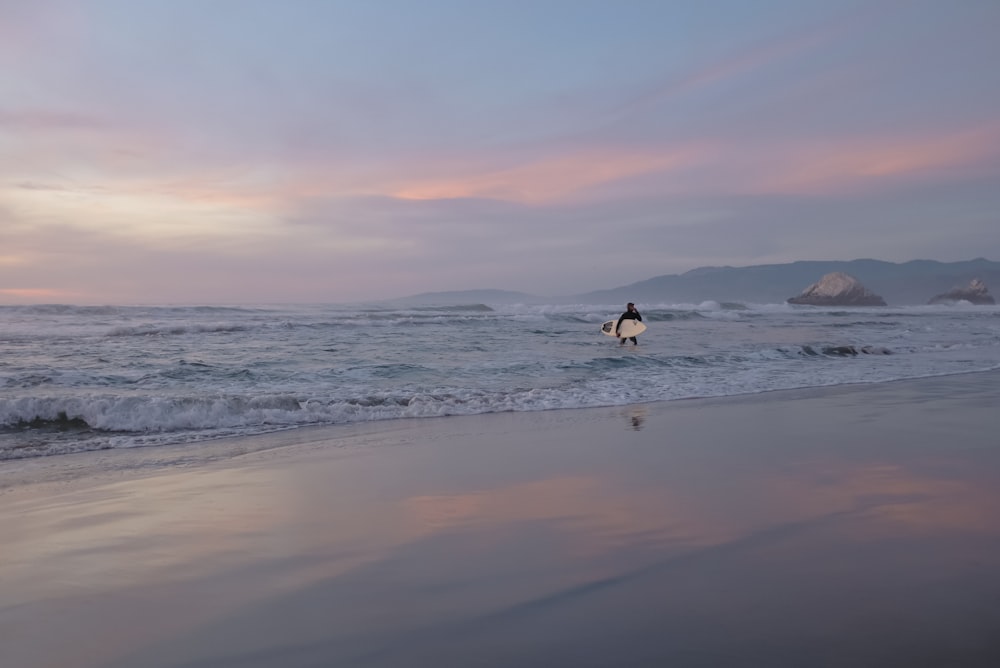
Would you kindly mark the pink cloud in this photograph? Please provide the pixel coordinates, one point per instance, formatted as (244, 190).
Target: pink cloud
(33, 295)
(32, 29)
(745, 61)
(834, 166)
(551, 178)
(48, 121)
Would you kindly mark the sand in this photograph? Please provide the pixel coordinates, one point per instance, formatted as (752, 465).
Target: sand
(851, 526)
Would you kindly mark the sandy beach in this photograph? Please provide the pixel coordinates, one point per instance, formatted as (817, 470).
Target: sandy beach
(849, 526)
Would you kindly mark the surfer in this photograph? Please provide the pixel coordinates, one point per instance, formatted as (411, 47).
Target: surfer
(629, 314)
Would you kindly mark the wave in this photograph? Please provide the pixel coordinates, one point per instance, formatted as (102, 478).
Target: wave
(117, 413)
(175, 330)
(845, 351)
(476, 308)
(883, 324)
(152, 409)
(61, 309)
(61, 422)
(124, 377)
(667, 316)
(648, 315)
(27, 380)
(366, 319)
(50, 425)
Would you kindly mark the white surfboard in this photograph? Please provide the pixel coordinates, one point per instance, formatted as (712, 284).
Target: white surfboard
(629, 328)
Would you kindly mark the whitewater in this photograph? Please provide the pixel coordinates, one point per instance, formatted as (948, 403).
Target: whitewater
(77, 378)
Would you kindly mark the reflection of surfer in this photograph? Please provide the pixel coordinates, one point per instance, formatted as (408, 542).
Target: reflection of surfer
(636, 417)
(629, 314)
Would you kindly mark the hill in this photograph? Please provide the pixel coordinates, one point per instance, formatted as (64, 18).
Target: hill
(465, 297)
(907, 283)
(913, 282)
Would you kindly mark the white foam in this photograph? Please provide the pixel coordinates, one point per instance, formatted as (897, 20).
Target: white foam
(185, 375)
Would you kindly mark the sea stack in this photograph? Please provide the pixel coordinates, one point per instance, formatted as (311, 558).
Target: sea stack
(974, 293)
(838, 289)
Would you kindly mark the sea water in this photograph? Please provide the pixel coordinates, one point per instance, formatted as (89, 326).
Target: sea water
(76, 378)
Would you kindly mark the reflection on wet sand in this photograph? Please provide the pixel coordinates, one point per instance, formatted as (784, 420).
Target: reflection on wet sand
(707, 533)
(637, 415)
(605, 512)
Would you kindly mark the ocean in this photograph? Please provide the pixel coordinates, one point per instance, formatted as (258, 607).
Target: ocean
(82, 378)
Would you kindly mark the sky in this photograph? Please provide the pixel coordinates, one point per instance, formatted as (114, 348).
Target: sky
(252, 151)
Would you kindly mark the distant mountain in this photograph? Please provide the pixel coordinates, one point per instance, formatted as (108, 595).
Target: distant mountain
(467, 297)
(911, 282)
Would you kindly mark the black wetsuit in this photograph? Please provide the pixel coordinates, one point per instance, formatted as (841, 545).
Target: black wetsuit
(628, 315)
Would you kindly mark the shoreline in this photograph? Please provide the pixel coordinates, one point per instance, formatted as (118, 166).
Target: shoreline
(76, 466)
(840, 525)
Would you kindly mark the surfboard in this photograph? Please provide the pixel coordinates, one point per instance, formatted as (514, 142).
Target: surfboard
(629, 328)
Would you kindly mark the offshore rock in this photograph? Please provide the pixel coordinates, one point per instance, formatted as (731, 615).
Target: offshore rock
(974, 293)
(838, 289)
(853, 351)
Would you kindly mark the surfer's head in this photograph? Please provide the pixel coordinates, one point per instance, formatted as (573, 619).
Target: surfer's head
(630, 306)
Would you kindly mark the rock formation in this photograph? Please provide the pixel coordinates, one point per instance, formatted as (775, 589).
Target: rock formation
(852, 351)
(975, 293)
(838, 289)
(845, 351)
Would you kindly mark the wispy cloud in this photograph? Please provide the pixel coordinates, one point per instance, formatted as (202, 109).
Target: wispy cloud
(829, 167)
(37, 294)
(719, 71)
(48, 120)
(552, 178)
(139, 140)
(743, 67)
(10, 260)
(30, 185)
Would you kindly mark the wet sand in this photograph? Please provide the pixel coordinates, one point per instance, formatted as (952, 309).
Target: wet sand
(851, 526)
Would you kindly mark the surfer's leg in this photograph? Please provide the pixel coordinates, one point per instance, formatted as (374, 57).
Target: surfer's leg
(623, 340)
(634, 341)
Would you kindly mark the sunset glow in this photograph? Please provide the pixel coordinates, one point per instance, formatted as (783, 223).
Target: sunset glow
(176, 142)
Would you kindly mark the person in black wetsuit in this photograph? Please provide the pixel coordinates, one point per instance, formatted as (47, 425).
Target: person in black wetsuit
(629, 314)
